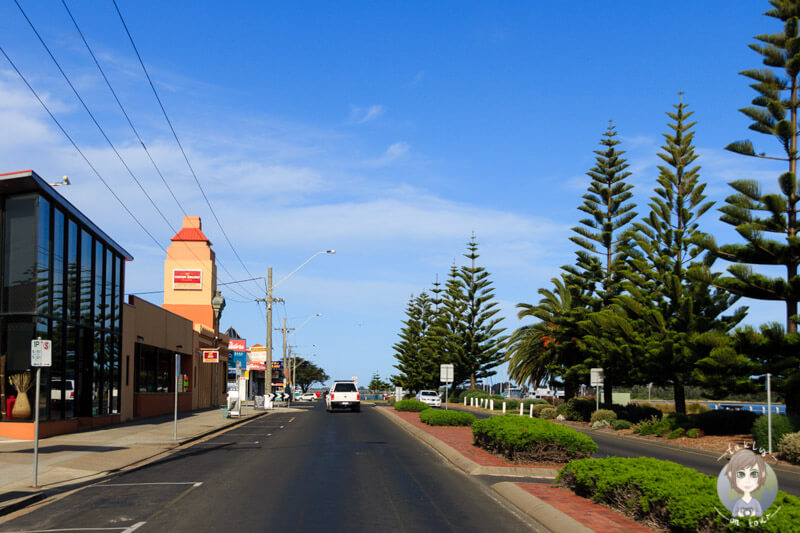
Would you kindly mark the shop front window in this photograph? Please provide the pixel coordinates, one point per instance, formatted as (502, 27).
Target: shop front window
(19, 284)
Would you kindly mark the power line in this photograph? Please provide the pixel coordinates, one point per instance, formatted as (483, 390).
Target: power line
(175, 135)
(122, 108)
(135, 131)
(97, 173)
(96, 123)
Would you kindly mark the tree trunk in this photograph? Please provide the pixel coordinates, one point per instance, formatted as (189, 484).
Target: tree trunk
(680, 396)
(472, 384)
(608, 393)
(571, 388)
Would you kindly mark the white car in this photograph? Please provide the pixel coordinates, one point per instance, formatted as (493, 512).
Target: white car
(431, 397)
(343, 394)
(308, 397)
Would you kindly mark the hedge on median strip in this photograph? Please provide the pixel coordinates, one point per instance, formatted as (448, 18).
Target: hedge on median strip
(674, 497)
(527, 440)
(414, 406)
(437, 417)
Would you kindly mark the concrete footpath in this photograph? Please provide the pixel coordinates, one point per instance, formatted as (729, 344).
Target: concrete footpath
(70, 461)
(555, 508)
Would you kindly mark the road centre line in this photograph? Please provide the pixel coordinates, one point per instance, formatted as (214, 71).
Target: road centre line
(134, 527)
(195, 483)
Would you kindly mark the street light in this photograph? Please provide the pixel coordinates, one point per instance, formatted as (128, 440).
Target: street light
(269, 300)
(217, 304)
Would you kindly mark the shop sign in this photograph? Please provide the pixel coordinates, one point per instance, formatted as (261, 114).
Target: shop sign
(237, 345)
(183, 279)
(211, 356)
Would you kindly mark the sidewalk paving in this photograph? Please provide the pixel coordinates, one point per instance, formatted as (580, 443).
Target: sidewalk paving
(556, 508)
(75, 459)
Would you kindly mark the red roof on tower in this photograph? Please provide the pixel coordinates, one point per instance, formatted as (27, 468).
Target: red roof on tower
(190, 234)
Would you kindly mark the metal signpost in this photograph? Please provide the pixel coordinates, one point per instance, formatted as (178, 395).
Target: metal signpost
(446, 377)
(41, 356)
(177, 373)
(596, 380)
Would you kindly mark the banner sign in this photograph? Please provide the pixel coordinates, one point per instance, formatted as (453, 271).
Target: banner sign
(183, 279)
(211, 356)
(277, 365)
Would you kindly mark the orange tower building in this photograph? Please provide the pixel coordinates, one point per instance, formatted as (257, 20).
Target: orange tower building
(190, 274)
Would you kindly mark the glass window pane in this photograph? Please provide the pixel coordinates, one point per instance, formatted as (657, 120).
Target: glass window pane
(71, 346)
(72, 271)
(87, 282)
(109, 318)
(119, 265)
(98, 284)
(19, 291)
(97, 373)
(58, 396)
(58, 264)
(43, 259)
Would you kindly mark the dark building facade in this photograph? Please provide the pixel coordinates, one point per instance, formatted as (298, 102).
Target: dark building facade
(61, 279)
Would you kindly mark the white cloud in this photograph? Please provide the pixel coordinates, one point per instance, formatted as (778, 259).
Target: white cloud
(362, 115)
(394, 152)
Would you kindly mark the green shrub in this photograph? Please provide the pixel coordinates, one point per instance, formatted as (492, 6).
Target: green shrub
(603, 414)
(577, 409)
(654, 425)
(472, 393)
(536, 401)
(790, 447)
(697, 408)
(676, 433)
(548, 413)
(694, 433)
(621, 424)
(414, 406)
(523, 439)
(537, 409)
(781, 425)
(635, 412)
(671, 496)
(511, 404)
(437, 417)
(720, 422)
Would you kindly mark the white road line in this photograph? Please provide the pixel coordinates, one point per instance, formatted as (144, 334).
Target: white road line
(134, 527)
(195, 483)
(232, 442)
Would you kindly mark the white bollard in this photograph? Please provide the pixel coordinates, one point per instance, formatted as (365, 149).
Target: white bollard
(491, 405)
(504, 407)
(531, 415)
(465, 401)
(521, 407)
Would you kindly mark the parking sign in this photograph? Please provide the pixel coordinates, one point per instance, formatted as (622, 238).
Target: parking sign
(41, 352)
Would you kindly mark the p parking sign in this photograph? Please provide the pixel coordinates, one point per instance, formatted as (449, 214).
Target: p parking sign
(41, 353)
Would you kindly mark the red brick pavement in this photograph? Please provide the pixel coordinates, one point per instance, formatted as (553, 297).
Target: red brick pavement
(592, 515)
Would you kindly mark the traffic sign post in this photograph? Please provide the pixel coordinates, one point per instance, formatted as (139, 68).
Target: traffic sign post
(41, 356)
(446, 377)
(596, 380)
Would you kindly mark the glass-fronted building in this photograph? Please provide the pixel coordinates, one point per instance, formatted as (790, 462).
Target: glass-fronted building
(61, 279)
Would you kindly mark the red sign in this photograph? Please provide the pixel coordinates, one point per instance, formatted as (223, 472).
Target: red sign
(187, 279)
(237, 345)
(211, 356)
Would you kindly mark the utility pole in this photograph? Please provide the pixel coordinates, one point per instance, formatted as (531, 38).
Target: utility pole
(269, 300)
(286, 370)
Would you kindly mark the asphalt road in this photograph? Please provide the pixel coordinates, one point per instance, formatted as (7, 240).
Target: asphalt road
(611, 445)
(294, 472)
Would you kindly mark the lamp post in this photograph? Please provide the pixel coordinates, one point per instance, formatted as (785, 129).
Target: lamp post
(269, 300)
(217, 305)
(177, 372)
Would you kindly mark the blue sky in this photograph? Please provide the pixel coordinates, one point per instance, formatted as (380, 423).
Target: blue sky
(388, 132)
